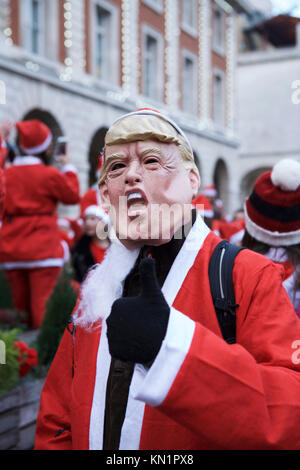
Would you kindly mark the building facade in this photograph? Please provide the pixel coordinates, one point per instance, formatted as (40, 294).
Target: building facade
(79, 64)
(269, 98)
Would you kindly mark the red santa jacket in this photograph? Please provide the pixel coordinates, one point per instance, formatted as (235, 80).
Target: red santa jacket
(29, 236)
(2, 193)
(200, 392)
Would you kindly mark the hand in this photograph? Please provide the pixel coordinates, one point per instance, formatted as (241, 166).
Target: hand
(64, 159)
(137, 326)
(5, 129)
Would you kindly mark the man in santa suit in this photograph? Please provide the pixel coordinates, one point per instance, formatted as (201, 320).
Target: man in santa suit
(146, 366)
(30, 248)
(2, 182)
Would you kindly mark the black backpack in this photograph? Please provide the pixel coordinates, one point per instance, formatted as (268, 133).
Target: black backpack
(221, 286)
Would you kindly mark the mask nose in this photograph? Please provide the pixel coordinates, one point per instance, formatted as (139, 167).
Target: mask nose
(134, 173)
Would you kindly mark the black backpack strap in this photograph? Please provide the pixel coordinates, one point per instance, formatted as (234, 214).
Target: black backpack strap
(222, 289)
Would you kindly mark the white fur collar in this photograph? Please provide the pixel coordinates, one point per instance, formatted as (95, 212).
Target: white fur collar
(104, 284)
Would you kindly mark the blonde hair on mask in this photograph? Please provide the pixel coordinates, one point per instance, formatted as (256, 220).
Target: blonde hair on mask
(147, 127)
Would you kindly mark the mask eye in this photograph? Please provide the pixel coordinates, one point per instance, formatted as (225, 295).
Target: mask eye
(151, 160)
(117, 166)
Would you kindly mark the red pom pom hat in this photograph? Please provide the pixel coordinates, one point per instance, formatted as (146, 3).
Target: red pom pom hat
(272, 211)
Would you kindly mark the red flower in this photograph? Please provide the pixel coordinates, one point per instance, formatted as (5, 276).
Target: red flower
(27, 357)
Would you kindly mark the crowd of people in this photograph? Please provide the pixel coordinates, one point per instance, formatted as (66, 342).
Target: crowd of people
(35, 242)
(144, 364)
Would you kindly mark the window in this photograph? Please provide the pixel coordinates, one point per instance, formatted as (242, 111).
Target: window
(152, 65)
(105, 46)
(189, 83)
(219, 98)
(189, 15)
(219, 30)
(33, 37)
(156, 5)
(102, 43)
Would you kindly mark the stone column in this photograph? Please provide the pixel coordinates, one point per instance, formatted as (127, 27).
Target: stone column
(76, 53)
(130, 49)
(171, 54)
(231, 62)
(204, 62)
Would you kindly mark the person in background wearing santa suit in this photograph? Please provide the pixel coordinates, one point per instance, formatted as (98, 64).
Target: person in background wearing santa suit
(272, 214)
(91, 247)
(30, 248)
(203, 205)
(92, 196)
(2, 182)
(211, 193)
(147, 366)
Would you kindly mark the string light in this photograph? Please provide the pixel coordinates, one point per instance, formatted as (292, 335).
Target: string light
(204, 63)
(230, 66)
(130, 50)
(171, 53)
(5, 17)
(67, 73)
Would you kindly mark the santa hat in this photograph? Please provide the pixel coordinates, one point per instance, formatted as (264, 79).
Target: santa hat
(210, 191)
(97, 211)
(34, 136)
(64, 222)
(272, 211)
(204, 206)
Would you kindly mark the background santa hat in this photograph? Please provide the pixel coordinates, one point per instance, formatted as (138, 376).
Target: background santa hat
(210, 191)
(203, 206)
(272, 211)
(34, 136)
(97, 211)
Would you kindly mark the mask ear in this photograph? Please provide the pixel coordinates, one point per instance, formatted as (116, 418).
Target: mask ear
(104, 196)
(194, 181)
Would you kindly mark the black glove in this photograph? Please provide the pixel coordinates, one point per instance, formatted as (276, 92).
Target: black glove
(137, 326)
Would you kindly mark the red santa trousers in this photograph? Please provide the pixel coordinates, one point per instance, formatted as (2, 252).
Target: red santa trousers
(30, 289)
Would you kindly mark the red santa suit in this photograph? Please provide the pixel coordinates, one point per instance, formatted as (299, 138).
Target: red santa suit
(231, 231)
(30, 248)
(200, 392)
(2, 193)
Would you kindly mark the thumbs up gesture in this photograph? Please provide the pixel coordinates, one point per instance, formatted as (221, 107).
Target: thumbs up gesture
(137, 326)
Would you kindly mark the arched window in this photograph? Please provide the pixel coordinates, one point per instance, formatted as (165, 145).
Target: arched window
(197, 161)
(221, 182)
(249, 179)
(96, 147)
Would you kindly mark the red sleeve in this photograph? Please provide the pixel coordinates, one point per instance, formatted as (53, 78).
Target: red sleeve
(53, 430)
(64, 185)
(2, 192)
(246, 395)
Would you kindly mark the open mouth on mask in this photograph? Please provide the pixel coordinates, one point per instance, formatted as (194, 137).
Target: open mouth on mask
(136, 202)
